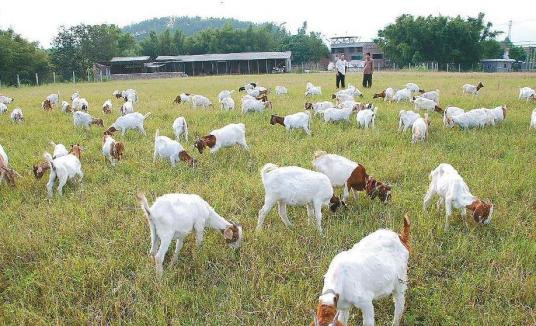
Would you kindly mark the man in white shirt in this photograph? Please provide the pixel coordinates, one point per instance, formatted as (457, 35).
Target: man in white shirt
(340, 67)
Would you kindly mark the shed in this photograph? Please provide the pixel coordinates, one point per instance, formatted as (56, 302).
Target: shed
(497, 65)
(129, 65)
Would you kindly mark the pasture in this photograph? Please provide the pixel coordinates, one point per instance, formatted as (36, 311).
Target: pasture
(82, 258)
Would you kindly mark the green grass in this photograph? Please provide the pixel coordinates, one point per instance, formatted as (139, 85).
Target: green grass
(82, 258)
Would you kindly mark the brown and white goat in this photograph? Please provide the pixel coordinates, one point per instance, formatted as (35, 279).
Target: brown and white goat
(6, 173)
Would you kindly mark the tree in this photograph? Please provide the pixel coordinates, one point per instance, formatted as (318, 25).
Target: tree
(19, 56)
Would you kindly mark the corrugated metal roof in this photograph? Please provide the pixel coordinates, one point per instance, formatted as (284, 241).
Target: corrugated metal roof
(227, 56)
(130, 59)
(497, 60)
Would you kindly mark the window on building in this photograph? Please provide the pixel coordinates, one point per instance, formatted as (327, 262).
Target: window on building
(505, 65)
(359, 49)
(377, 56)
(357, 57)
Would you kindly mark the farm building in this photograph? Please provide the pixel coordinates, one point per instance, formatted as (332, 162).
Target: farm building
(354, 50)
(227, 63)
(497, 65)
(128, 65)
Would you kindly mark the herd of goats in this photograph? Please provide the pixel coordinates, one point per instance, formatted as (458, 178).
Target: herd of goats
(373, 268)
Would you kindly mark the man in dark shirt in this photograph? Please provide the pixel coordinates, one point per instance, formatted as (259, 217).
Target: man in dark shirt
(368, 68)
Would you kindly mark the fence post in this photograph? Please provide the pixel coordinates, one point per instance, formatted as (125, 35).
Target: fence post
(54, 76)
(459, 67)
(101, 76)
(74, 78)
(447, 67)
(18, 81)
(36, 79)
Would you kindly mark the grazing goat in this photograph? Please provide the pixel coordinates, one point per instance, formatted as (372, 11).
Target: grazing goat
(472, 89)
(224, 94)
(365, 117)
(318, 107)
(336, 114)
(373, 268)
(230, 135)
(311, 90)
(79, 103)
(126, 108)
(247, 86)
(3, 108)
(174, 216)
(129, 121)
(341, 98)
(449, 112)
(180, 128)
(7, 174)
(200, 101)
(66, 107)
(420, 129)
(471, 119)
(350, 91)
(107, 107)
(281, 90)
(292, 185)
(498, 113)
(64, 168)
(432, 95)
(85, 120)
(300, 120)
(251, 105)
(112, 150)
(183, 98)
(17, 116)
(130, 95)
(117, 94)
(50, 102)
(414, 88)
(350, 175)
(422, 103)
(46, 105)
(227, 103)
(387, 94)
(453, 192)
(170, 149)
(6, 99)
(533, 119)
(406, 119)
(527, 93)
(402, 95)
(40, 169)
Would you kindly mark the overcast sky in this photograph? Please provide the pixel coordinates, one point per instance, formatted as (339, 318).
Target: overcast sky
(39, 20)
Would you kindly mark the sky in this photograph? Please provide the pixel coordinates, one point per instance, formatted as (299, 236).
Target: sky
(39, 20)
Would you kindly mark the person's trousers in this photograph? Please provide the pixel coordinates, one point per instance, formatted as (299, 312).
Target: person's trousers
(367, 80)
(340, 80)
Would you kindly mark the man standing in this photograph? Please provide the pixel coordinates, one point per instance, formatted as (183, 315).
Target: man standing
(368, 68)
(340, 66)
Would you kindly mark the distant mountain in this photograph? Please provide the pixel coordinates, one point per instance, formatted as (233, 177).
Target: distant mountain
(188, 25)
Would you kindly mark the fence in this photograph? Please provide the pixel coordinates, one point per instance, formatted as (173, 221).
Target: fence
(35, 79)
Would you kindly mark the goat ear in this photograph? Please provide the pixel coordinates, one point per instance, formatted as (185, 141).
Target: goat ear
(228, 233)
(336, 299)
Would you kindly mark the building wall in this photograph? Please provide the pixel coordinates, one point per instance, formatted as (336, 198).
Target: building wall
(356, 52)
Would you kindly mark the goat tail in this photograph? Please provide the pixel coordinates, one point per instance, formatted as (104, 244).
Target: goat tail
(49, 160)
(268, 167)
(146, 115)
(405, 233)
(140, 196)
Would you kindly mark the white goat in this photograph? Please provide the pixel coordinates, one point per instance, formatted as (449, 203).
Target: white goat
(422, 103)
(474, 118)
(6, 99)
(318, 107)
(472, 89)
(420, 129)
(7, 174)
(183, 98)
(174, 216)
(250, 105)
(200, 101)
(292, 185)
(498, 113)
(300, 120)
(454, 193)
(449, 113)
(230, 135)
(533, 119)
(127, 107)
(402, 95)
(112, 150)
(180, 128)
(107, 106)
(414, 88)
(373, 268)
(311, 90)
(130, 95)
(17, 116)
(365, 117)
(85, 120)
(3, 108)
(386, 94)
(227, 103)
(406, 119)
(129, 121)
(281, 90)
(527, 93)
(59, 150)
(224, 94)
(432, 95)
(64, 168)
(66, 107)
(170, 149)
(335, 114)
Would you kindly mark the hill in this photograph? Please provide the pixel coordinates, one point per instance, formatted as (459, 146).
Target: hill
(188, 25)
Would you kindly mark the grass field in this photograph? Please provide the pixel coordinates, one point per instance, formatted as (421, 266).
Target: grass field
(82, 258)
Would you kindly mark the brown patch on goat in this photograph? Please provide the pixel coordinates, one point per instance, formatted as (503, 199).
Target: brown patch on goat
(231, 233)
(358, 179)
(277, 119)
(47, 106)
(76, 150)
(504, 111)
(335, 203)
(422, 91)
(40, 169)
(380, 94)
(308, 106)
(118, 95)
(205, 141)
(325, 314)
(480, 209)
(375, 188)
(185, 157)
(262, 97)
(117, 150)
(479, 86)
(333, 96)
(110, 131)
(404, 235)
(177, 100)
(106, 109)
(68, 108)
(438, 109)
(98, 122)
